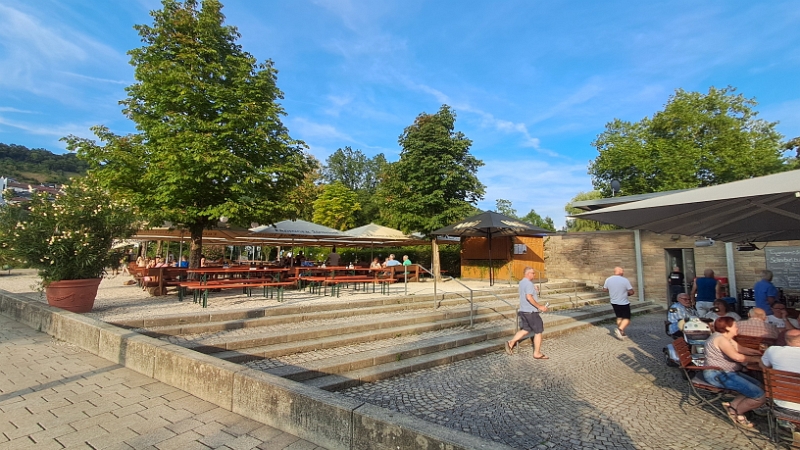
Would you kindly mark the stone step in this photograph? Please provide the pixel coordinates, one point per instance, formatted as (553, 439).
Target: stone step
(361, 310)
(388, 348)
(277, 335)
(401, 365)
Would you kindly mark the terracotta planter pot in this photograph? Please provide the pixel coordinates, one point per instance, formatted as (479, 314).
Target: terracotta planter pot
(73, 295)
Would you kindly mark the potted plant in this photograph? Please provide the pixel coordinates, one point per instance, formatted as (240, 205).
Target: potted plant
(68, 237)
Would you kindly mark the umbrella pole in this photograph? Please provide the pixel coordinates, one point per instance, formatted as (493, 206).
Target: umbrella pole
(491, 277)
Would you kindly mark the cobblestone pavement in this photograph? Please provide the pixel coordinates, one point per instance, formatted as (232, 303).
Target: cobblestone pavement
(594, 392)
(54, 395)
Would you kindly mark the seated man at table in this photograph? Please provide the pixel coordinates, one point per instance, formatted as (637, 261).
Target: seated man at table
(757, 325)
(333, 258)
(680, 311)
(781, 319)
(785, 358)
(390, 261)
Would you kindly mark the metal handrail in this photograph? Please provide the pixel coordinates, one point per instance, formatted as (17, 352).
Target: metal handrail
(471, 296)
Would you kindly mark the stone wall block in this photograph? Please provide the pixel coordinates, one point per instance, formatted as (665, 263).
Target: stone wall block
(203, 376)
(309, 413)
(376, 428)
(129, 349)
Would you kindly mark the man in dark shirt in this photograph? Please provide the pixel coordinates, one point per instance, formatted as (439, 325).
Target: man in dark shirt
(675, 281)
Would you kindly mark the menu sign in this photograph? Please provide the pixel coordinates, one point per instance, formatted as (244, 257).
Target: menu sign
(784, 262)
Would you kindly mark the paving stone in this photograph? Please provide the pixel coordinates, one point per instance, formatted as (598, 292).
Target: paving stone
(55, 396)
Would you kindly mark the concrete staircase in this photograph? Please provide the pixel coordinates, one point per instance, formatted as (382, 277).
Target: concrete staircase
(342, 344)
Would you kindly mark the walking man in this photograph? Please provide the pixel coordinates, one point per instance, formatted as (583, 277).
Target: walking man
(530, 321)
(619, 288)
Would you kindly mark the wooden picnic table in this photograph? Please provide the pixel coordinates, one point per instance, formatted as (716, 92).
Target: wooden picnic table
(218, 272)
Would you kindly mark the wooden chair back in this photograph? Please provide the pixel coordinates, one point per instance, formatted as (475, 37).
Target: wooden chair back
(782, 385)
(753, 342)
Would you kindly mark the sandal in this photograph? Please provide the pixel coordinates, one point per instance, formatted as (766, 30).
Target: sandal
(737, 418)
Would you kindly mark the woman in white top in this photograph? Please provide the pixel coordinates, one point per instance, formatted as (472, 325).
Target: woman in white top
(720, 309)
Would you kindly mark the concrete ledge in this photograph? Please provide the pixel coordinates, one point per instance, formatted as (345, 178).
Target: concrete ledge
(375, 428)
(129, 349)
(324, 418)
(309, 413)
(206, 377)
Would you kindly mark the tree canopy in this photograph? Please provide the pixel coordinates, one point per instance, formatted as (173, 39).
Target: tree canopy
(211, 143)
(696, 140)
(505, 207)
(435, 182)
(583, 224)
(336, 206)
(361, 175)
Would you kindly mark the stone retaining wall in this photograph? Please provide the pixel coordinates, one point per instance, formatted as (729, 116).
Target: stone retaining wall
(324, 418)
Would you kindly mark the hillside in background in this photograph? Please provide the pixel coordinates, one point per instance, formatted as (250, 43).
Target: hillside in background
(38, 165)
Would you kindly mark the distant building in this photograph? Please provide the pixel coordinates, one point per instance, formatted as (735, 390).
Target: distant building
(22, 191)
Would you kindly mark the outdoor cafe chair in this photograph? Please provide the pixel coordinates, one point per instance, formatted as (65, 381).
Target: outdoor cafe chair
(785, 386)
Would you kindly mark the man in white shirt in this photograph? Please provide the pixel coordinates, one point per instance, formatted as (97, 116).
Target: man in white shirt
(619, 288)
(780, 318)
(786, 358)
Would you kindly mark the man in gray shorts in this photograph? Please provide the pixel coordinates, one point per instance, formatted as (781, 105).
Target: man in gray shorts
(530, 321)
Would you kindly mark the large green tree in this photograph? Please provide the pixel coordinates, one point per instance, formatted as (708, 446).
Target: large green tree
(435, 182)
(361, 175)
(535, 219)
(336, 206)
(210, 143)
(696, 140)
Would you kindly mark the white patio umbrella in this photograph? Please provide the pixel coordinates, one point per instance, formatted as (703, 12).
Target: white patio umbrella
(755, 210)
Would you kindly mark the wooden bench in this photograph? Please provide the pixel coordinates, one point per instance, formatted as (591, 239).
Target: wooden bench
(200, 289)
(399, 272)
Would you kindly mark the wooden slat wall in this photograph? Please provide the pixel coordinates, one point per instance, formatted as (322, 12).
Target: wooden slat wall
(475, 257)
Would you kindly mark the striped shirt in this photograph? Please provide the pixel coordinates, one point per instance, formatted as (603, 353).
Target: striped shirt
(715, 357)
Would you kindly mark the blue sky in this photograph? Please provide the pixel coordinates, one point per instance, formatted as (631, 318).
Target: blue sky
(532, 82)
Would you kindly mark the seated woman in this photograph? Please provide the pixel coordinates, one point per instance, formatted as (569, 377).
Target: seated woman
(721, 309)
(376, 264)
(723, 352)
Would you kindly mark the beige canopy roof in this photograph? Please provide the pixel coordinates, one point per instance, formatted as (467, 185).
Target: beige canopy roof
(755, 210)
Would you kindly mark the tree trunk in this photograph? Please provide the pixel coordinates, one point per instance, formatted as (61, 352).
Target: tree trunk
(160, 249)
(197, 246)
(435, 264)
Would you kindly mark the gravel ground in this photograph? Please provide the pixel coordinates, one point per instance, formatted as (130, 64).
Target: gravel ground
(117, 301)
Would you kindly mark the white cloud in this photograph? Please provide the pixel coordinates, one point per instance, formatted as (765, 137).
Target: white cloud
(58, 131)
(34, 53)
(543, 185)
(98, 79)
(15, 110)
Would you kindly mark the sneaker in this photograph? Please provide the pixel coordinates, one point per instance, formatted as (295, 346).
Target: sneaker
(618, 333)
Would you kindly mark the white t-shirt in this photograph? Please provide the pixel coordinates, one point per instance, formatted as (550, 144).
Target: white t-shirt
(779, 323)
(783, 358)
(618, 287)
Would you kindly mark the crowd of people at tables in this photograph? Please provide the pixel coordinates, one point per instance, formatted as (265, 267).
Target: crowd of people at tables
(286, 260)
(768, 320)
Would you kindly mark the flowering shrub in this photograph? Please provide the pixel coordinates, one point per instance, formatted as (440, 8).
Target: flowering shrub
(69, 237)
